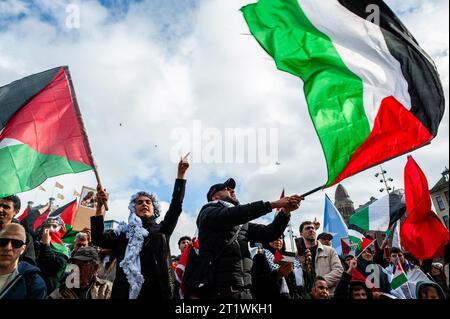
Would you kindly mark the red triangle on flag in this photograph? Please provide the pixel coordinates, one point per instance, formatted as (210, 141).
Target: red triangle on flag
(366, 243)
(357, 276)
(41, 219)
(69, 213)
(278, 257)
(346, 249)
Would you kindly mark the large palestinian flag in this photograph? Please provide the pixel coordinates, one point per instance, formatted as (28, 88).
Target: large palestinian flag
(41, 131)
(372, 92)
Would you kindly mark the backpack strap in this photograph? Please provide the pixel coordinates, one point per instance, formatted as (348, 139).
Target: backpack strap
(235, 236)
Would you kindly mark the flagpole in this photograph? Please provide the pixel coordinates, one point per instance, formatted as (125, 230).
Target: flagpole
(373, 241)
(83, 128)
(313, 191)
(97, 176)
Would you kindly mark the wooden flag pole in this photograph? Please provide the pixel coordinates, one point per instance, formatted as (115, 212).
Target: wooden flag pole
(97, 176)
(83, 128)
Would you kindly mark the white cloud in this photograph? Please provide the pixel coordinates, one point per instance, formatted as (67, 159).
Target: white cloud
(140, 76)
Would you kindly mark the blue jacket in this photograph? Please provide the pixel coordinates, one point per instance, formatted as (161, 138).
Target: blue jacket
(27, 285)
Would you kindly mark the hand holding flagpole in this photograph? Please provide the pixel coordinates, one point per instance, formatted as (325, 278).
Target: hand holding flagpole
(102, 199)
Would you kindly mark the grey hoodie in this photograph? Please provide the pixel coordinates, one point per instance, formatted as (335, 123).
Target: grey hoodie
(422, 284)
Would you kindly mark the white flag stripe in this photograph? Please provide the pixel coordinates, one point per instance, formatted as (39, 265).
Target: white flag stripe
(9, 142)
(379, 217)
(362, 47)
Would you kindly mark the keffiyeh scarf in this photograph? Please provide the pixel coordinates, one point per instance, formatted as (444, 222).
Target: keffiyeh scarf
(135, 233)
(298, 271)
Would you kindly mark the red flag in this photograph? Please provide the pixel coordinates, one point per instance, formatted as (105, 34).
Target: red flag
(422, 233)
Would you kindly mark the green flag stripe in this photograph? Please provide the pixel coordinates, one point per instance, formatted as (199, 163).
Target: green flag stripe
(23, 168)
(60, 248)
(361, 219)
(399, 281)
(333, 92)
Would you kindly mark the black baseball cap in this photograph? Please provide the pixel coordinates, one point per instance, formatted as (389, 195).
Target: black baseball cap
(231, 183)
(325, 235)
(87, 254)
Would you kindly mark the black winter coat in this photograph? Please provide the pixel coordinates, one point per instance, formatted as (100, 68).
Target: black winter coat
(156, 265)
(51, 263)
(217, 225)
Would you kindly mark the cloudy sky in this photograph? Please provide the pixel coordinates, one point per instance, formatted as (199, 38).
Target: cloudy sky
(149, 74)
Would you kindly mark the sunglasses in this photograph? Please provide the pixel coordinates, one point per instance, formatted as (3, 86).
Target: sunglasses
(16, 243)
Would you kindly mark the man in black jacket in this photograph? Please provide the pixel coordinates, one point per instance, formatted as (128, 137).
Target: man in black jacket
(219, 221)
(144, 268)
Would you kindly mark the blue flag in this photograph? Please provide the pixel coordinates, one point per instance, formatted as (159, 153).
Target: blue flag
(334, 223)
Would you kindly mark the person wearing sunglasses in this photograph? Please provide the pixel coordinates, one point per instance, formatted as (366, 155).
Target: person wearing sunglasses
(9, 208)
(18, 279)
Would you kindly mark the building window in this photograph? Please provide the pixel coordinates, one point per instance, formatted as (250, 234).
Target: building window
(446, 196)
(445, 218)
(440, 202)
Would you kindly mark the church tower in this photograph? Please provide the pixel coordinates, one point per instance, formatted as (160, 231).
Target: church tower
(343, 203)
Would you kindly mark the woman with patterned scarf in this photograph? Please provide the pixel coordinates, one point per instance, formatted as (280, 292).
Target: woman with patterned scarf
(274, 281)
(144, 268)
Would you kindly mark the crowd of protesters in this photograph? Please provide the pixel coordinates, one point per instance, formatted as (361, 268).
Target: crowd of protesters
(232, 257)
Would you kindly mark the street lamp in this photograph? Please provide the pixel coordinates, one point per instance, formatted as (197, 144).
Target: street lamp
(384, 180)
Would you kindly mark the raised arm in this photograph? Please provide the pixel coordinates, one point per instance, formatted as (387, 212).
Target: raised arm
(176, 205)
(223, 218)
(266, 233)
(98, 235)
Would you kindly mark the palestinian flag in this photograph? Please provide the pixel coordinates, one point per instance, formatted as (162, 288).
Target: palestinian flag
(373, 93)
(375, 276)
(31, 215)
(67, 214)
(358, 242)
(381, 214)
(399, 277)
(41, 131)
(348, 247)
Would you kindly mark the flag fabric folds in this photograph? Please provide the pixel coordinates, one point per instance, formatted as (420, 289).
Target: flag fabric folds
(372, 92)
(334, 223)
(422, 233)
(41, 132)
(381, 214)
